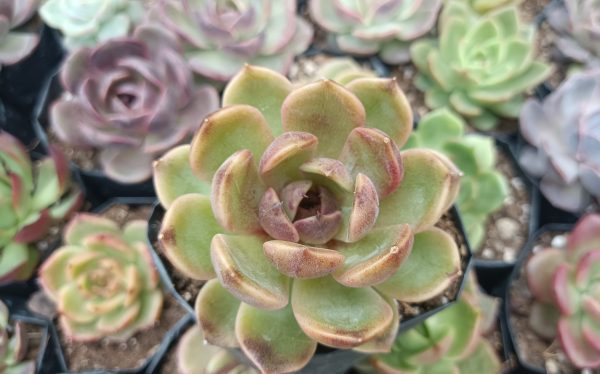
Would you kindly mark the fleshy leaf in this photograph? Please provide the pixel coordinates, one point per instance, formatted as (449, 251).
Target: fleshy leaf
(433, 264)
(273, 340)
(301, 261)
(337, 316)
(375, 257)
(185, 242)
(216, 310)
(225, 132)
(173, 176)
(243, 270)
(326, 110)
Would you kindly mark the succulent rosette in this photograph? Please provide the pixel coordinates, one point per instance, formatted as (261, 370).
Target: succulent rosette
(563, 133)
(32, 197)
(566, 285)
(305, 218)
(13, 346)
(483, 189)
(220, 36)
(103, 279)
(384, 27)
(578, 26)
(90, 22)
(16, 45)
(196, 356)
(131, 99)
(481, 66)
(452, 341)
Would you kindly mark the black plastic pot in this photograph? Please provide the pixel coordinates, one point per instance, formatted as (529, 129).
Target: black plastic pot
(45, 363)
(22, 83)
(100, 187)
(328, 361)
(525, 366)
(169, 336)
(493, 274)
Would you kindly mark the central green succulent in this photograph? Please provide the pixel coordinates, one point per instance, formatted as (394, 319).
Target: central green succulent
(307, 220)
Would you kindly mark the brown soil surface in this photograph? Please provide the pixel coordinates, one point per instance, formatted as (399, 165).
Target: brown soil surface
(507, 229)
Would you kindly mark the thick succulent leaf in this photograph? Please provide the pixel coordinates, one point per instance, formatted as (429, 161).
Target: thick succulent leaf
(281, 160)
(301, 261)
(584, 236)
(483, 360)
(320, 228)
(48, 188)
(243, 270)
(236, 193)
(540, 272)
(194, 353)
(72, 305)
(373, 153)
(216, 310)
(374, 258)
(544, 319)
(328, 172)
(261, 88)
(338, 316)
(84, 225)
(326, 110)
(53, 274)
(433, 264)
(17, 262)
(386, 107)
(293, 194)
(225, 132)
(273, 218)
(364, 211)
(186, 233)
(429, 186)
(273, 340)
(34, 230)
(383, 342)
(579, 352)
(173, 176)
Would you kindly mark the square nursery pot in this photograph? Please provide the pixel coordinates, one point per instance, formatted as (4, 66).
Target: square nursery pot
(326, 360)
(511, 331)
(493, 274)
(22, 83)
(45, 361)
(95, 180)
(167, 337)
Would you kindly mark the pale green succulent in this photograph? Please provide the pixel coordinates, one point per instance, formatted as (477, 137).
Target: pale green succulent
(13, 346)
(481, 66)
(482, 188)
(87, 23)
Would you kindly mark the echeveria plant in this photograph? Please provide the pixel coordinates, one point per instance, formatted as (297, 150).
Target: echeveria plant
(16, 45)
(565, 284)
(33, 195)
(131, 99)
(578, 26)
(482, 188)
(563, 134)
(305, 218)
(452, 341)
(196, 356)
(220, 36)
(90, 22)
(13, 346)
(480, 66)
(368, 27)
(103, 279)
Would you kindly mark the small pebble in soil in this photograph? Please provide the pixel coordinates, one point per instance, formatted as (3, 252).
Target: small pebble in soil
(507, 228)
(509, 255)
(559, 241)
(487, 253)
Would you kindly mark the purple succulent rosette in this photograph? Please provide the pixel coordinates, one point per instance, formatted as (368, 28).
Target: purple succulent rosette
(563, 134)
(385, 27)
(132, 99)
(15, 45)
(220, 36)
(577, 22)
